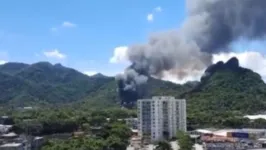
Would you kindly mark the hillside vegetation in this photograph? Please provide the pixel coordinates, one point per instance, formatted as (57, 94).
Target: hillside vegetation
(225, 93)
(224, 87)
(229, 87)
(44, 83)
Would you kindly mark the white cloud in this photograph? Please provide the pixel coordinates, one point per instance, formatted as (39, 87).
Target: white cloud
(120, 55)
(68, 24)
(158, 9)
(65, 24)
(54, 54)
(150, 17)
(90, 73)
(2, 62)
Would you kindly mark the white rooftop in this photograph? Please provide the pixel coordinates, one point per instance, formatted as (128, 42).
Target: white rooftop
(8, 126)
(38, 138)
(11, 134)
(134, 130)
(253, 117)
(204, 131)
(224, 132)
(262, 139)
(11, 145)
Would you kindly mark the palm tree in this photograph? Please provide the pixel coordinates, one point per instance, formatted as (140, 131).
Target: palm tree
(163, 145)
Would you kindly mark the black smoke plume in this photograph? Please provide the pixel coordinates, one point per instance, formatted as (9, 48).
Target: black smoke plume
(132, 85)
(211, 27)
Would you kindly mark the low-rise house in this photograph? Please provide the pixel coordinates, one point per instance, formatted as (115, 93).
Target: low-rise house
(37, 143)
(132, 122)
(12, 146)
(10, 135)
(5, 128)
(78, 134)
(5, 120)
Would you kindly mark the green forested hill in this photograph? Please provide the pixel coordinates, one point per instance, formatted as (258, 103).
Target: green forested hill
(23, 84)
(225, 94)
(229, 87)
(44, 82)
(107, 94)
(225, 87)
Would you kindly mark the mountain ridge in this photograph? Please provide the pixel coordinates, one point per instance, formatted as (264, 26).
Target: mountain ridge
(223, 87)
(227, 86)
(45, 82)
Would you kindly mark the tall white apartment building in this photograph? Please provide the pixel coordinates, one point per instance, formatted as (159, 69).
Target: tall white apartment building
(161, 117)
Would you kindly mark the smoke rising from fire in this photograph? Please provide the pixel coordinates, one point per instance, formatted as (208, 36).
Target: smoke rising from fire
(210, 27)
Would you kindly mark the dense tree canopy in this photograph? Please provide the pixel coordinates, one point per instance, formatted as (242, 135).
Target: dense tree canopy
(64, 119)
(67, 100)
(184, 141)
(163, 145)
(113, 136)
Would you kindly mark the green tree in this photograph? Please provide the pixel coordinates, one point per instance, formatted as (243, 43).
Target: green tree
(116, 143)
(120, 130)
(94, 144)
(184, 141)
(259, 123)
(97, 120)
(163, 145)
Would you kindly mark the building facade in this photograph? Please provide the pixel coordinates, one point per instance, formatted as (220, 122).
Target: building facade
(132, 123)
(161, 117)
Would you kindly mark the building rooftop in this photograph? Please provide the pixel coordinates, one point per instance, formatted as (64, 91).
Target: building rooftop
(11, 134)
(204, 131)
(254, 117)
(11, 145)
(38, 138)
(28, 108)
(160, 98)
(134, 130)
(262, 139)
(223, 132)
(4, 117)
(131, 119)
(7, 126)
(253, 130)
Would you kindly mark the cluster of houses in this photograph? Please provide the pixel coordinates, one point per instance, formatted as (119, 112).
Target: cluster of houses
(9, 140)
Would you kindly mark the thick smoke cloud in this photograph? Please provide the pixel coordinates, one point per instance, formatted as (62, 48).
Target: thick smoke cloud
(211, 27)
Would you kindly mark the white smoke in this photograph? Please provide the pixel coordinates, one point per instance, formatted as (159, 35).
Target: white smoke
(120, 55)
(248, 59)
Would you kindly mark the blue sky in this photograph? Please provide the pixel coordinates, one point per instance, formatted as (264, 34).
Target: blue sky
(82, 34)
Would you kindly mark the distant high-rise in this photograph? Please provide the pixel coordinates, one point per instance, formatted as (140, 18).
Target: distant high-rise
(161, 117)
